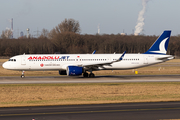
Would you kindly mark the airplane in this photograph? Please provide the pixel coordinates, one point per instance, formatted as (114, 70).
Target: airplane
(78, 64)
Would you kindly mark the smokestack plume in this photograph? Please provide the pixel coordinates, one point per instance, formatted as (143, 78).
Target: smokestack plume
(12, 27)
(140, 21)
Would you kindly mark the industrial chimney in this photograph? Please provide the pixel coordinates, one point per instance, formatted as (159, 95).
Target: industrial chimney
(27, 32)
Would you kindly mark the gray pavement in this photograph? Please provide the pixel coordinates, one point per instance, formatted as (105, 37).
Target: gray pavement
(97, 79)
(126, 111)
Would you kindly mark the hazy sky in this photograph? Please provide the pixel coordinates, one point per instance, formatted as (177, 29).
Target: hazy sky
(112, 15)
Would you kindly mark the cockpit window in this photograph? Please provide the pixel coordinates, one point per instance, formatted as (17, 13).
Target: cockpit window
(12, 60)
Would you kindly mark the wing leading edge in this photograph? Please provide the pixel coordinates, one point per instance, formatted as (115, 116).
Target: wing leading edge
(95, 65)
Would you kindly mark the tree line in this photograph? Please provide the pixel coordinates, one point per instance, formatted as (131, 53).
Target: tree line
(72, 43)
(65, 38)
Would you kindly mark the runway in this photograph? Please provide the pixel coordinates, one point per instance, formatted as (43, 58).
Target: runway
(97, 79)
(129, 111)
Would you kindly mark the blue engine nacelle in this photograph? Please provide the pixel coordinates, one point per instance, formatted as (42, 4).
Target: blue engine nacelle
(74, 70)
(62, 72)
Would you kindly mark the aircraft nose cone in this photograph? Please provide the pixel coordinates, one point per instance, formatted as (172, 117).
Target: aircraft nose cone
(5, 65)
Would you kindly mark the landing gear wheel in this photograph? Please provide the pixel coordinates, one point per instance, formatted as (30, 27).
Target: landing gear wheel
(91, 75)
(22, 76)
(85, 74)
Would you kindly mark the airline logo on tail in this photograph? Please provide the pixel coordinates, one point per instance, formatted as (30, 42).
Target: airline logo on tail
(161, 44)
(162, 49)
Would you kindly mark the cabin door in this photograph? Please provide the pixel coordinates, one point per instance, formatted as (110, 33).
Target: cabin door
(23, 60)
(145, 59)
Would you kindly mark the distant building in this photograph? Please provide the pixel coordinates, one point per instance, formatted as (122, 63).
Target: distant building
(21, 34)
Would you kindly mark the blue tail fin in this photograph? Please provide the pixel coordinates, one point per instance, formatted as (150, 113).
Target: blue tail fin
(161, 44)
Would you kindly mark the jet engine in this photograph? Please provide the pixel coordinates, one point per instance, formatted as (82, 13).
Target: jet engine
(74, 70)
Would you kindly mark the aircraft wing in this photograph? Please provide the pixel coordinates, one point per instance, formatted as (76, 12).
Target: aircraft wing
(96, 65)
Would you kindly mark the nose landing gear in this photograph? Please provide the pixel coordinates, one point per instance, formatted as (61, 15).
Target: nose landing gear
(22, 76)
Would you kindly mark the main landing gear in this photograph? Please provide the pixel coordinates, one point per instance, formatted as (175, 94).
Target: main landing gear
(22, 76)
(91, 75)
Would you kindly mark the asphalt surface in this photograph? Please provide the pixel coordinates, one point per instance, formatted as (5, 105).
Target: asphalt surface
(126, 111)
(97, 79)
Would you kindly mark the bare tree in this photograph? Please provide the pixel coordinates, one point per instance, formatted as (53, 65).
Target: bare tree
(6, 34)
(8, 52)
(63, 32)
(68, 25)
(44, 33)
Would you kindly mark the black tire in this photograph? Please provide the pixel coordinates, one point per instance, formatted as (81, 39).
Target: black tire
(22, 76)
(85, 75)
(91, 75)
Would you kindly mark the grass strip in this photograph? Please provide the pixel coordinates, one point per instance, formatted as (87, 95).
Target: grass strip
(86, 93)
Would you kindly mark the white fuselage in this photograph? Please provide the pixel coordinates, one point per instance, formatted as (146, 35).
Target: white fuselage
(61, 61)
